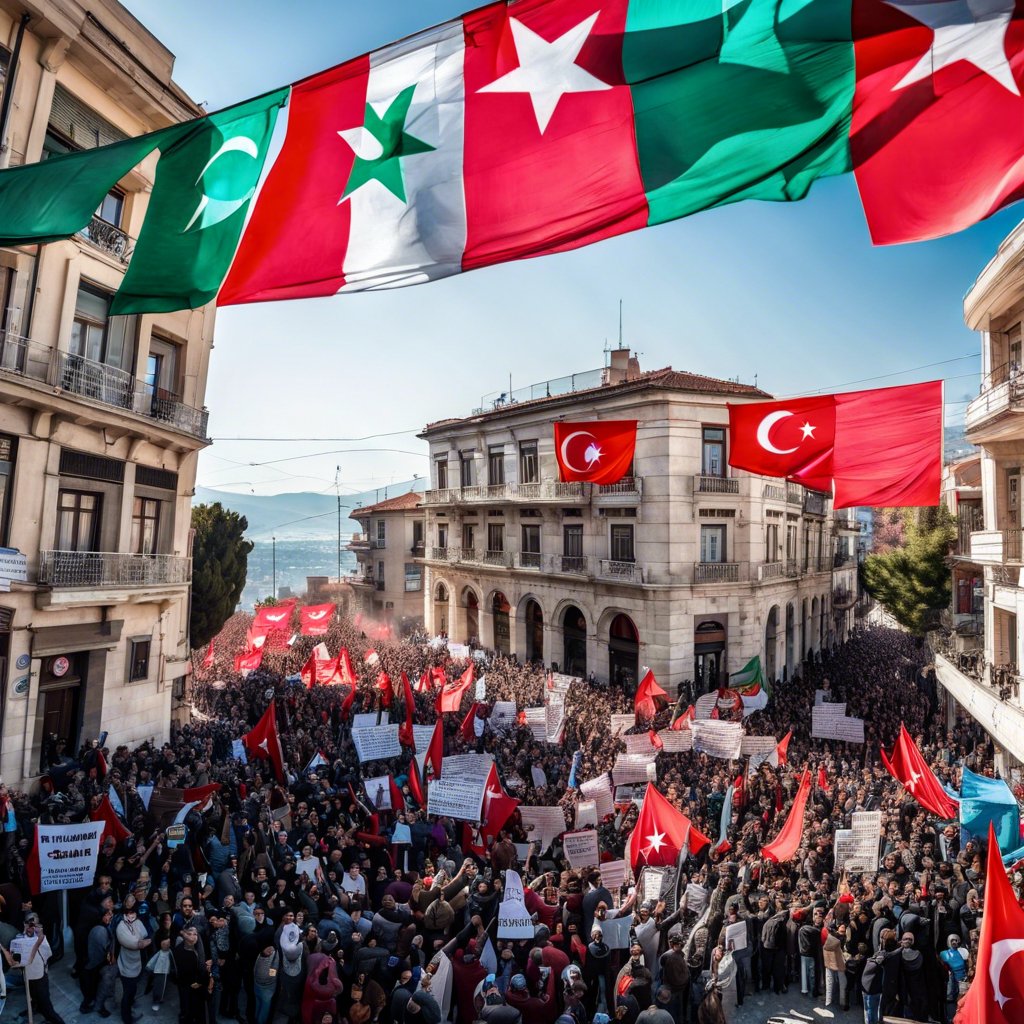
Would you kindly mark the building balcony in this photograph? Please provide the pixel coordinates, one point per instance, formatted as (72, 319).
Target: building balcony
(842, 600)
(703, 484)
(770, 571)
(716, 572)
(774, 492)
(502, 559)
(620, 572)
(108, 238)
(628, 491)
(359, 580)
(1002, 393)
(358, 542)
(843, 560)
(576, 565)
(75, 577)
(482, 494)
(815, 503)
(844, 524)
(417, 549)
(995, 547)
(969, 519)
(97, 382)
(529, 560)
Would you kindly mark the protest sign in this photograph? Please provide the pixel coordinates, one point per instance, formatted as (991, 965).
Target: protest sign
(676, 741)
(620, 723)
(819, 697)
(544, 824)
(717, 738)
(480, 693)
(67, 855)
(401, 834)
(367, 720)
(539, 778)
(650, 884)
(441, 984)
(639, 743)
(629, 768)
(514, 920)
(705, 705)
(614, 874)
(377, 743)
(503, 715)
(536, 719)
(522, 851)
(581, 848)
(736, 935)
(459, 793)
(560, 682)
(600, 791)
(457, 651)
(378, 792)
(615, 931)
(827, 723)
(753, 745)
(586, 814)
(630, 794)
(554, 721)
(421, 737)
(695, 897)
(867, 831)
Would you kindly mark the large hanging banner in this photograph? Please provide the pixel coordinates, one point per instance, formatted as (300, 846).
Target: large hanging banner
(629, 768)
(459, 793)
(536, 720)
(717, 738)
(676, 741)
(67, 855)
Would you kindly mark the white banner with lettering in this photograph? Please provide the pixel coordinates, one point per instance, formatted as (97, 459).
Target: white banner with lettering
(600, 791)
(581, 848)
(459, 793)
(830, 722)
(717, 738)
(377, 743)
(514, 920)
(67, 855)
(543, 824)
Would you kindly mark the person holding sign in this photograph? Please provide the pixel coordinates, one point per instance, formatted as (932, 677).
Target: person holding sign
(31, 951)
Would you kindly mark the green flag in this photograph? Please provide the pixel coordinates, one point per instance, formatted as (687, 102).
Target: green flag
(749, 674)
(204, 182)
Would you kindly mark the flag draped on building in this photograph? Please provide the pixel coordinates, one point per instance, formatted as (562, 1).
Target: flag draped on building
(881, 447)
(600, 452)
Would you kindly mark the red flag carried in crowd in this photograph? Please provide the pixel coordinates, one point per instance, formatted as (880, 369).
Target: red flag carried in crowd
(415, 785)
(113, 826)
(467, 724)
(878, 447)
(822, 778)
(405, 734)
(263, 741)
(656, 741)
(386, 690)
(685, 719)
(781, 754)
(316, 619)
(397, 800)
(996, 995)
(274, 618)
(600, 451)
(208, 660)
(650, 697)
(249, 661)
(661, 832)
(345, 667)
(346, 704)
(784, 846)
(497, 808)
(438, 676)
(423, 684)
(435, 752)
(909, 768)
(449, 697)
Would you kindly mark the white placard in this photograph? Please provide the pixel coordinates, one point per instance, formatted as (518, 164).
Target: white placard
(441, 984)
(718, 739)
(522, 851)
(67, 855)
(378, 792)
(754, 745)
(514, 920)
(830, 722)
(651, 884)
(480, 693)
(850, 730)
(459, 793)
(377, 743)
(554, 721)
(679, 741)
(630, 794)
(705, 704)
(819, 697)
(581, 848)
(616, 931)
(695, 897)
(366, 720)
(421, 737)
(560, 682)
(238, 751)
(457, 651)
(539, 778)
(614, 874)
(536, 719)
(631, 768)
(620, 723)
(586, 814)
(599, 790)
(401, 834)
(736, 934)
(544, 824)
(638, 743)
(503, 715)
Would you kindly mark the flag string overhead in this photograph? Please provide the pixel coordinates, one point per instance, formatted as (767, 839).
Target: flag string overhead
(528, 128)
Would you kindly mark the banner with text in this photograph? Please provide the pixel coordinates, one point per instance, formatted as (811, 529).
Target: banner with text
(67, 855)
(717, 738)
(459, 793)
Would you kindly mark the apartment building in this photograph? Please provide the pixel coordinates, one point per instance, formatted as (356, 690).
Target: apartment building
(389, 584)
(685, 566)
(101, 417)
(988, 586)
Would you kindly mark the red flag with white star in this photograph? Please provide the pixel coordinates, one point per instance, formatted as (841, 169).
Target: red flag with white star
(996, 995)
(263, 741)
(600, 451)
(908, 767)
(661, 833)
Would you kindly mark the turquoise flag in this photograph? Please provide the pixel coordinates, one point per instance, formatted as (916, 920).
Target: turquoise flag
(984, 800)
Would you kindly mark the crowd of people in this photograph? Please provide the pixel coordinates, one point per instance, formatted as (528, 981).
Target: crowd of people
(289, 899)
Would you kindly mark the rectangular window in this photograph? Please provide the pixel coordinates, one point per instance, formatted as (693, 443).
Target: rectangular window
(138, 660)
(417, 533)
(380, 573)
(162, 365)
(99, 337)
(572, 541)
(468, 536)
(413, 577)
(772, 549)
(712, 543)
(442, 535)
(145, 526)
(713, 451)
(78, 520)
(8, 449)
(791, 543)
(112, 207)
(441, 465)
(465, 469)
(381, 530)
(496, 465)
(495, 537)
(529, 467)
(531, 539)
(622, 543)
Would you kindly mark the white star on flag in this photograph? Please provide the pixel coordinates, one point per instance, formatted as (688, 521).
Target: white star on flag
(970, 30)
(915, 778)
(263, 746)
(808, 431)
(593, 454)
(547, 71)
(656, 842)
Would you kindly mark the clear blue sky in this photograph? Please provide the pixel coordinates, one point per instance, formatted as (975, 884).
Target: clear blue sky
(793, 293)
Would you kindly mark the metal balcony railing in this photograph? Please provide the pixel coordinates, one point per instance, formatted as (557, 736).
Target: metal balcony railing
(774, 492)
(969, 518)
(168, 408)
(843, 559)
(627, 485)
(545, 490)
(794, 493)
(625, 572)
(111, 569)
(576, 564)
(791, 568)
(843, 599)
(703, 484)
(529, 559)
(85, 377)
(109, 238)
(716, 572)
(500, 558)
(769, 571)
(378, 543)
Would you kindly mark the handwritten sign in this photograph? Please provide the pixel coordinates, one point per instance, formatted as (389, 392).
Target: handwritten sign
(614, 874)
(459, 793)
(377, 743)
(536, 719)
(586, 814)
(676, 742)
(717, 738)
(581, 848)
(545, 824)
(599, 790)
(630, 768)
(620, 723)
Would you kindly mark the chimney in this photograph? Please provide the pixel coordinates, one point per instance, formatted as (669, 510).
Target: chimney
(622, 366)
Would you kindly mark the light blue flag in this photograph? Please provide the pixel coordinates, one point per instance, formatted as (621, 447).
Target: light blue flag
(576, 758)
(984, 800)
(726, 821)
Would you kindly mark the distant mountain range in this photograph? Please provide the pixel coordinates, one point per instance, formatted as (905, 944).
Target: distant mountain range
(954, 444)
(303, 515)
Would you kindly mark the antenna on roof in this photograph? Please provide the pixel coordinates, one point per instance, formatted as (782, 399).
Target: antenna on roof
(620, 323)
(755, 380)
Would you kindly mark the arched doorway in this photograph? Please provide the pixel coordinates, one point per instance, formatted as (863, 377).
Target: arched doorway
(624, 653)
(790, 637)
(534, 619)
(472, 616)
(500, 609)
(708, 654)
(574, 635)
(771, 638)
(441, 610)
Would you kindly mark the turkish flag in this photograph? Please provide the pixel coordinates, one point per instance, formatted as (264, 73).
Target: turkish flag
(878, 447)
(650, 697)
(316, 618)
(449, 697)
(262, 741)
(271, 618)
(784, 846)
(599, 451)
(661, 832)
(497, 808)
(996, 995)
(932, 79)
(907, 766)
(249, 661)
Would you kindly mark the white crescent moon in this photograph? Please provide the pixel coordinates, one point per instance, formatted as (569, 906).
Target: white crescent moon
(565, 449)
(1001, 952)
(764, 429)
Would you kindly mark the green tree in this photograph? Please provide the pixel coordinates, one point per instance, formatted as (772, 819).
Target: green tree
(220, 558)
(912, 582)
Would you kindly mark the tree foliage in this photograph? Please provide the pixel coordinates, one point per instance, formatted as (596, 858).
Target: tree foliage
(889, 529)
(220, 557)
(912, 582)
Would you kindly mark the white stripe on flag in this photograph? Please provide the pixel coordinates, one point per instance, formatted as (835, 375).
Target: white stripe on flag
(392, 243)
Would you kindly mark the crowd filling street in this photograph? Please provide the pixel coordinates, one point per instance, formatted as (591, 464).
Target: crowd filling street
(300, 900)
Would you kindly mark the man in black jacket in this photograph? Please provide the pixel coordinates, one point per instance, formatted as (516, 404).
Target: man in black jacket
(809, 941)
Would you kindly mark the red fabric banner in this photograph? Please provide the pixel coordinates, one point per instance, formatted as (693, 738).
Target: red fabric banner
(908, 767)
(316, 619)
(784, 846)
(600, 451)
